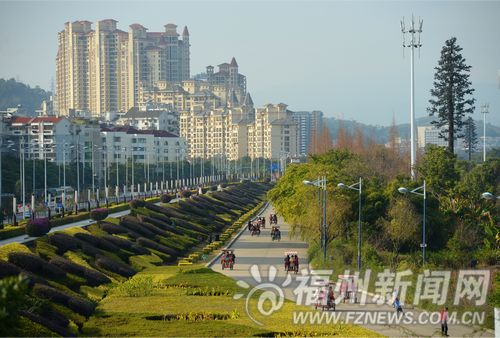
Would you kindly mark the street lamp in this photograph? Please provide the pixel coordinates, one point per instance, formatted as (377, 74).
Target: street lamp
(403, 190)
(321, 183)
(356, 187)
(489, 196)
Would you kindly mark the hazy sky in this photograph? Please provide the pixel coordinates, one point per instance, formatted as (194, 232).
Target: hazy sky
(344, 58)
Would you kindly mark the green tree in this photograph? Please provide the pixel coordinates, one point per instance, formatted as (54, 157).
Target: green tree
(401, 225)
(13, 291)
(439, 170)
(470, 136)
(451, 93)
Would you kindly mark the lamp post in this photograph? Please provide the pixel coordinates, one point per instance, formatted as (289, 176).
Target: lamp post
(45, 172)
(357, 187)
(403, 190)
(484, 111)
(321, 183)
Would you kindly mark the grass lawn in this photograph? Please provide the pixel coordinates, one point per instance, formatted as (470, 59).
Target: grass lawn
(165, 309)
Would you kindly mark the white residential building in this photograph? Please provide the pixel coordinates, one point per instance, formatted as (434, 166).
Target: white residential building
(157, 119)
(144, 146)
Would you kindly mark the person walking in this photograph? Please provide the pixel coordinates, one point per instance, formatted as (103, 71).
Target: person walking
(296, 263)
(287, 263)
(444, 321)
(397, 305)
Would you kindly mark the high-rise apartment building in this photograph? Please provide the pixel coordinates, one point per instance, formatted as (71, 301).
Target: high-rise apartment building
(303, 120)
(316, 128)
(101, 70)
(72, 67)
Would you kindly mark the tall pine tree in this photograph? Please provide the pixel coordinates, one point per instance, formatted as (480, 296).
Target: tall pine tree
(470, 136)
(452, 93)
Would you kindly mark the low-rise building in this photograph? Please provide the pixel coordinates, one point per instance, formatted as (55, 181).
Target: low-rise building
(151, 119)
(144, 146)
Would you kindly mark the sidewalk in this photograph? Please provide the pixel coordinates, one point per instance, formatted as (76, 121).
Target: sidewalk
(25, 238)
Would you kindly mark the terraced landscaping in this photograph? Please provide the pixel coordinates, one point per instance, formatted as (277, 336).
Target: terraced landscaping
(194, 301)
(66, 275)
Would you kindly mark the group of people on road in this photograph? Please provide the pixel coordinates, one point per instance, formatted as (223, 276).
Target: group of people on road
(275, 233)
(273, 219)
(254, 226)
(292, 263)
(228, 259)
(327, 302)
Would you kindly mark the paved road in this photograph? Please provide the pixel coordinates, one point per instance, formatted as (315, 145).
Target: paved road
(251, 250)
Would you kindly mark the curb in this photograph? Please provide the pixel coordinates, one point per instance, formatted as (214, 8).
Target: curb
(213, 260)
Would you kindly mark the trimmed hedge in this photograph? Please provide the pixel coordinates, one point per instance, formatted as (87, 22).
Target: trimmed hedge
(99, 214)
(38, 227)
(79, 305)
(49, 324)
(8, 269)
(65, 243)
(9, 232)
(69, 219)
(133, 224)
(93, 277)
(119, 242)
(97, 242)
(161, 224)
(112, 265)
(35, 264)
(185, 193)
(134, 204)
(112, 229)
(155, 246)
(166, 198)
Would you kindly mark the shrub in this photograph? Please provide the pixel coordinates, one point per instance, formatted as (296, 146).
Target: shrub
(8, 269)
(137, 204)
(9, 232)
(138, 286)
(119, 242)
(79, 305)
(166, 198)
(63, 242)
(99, 214)
(185, 193)
(35, 264)
(56, 317)
(98, 242)
(69, 219)
(131, 223)
(93, 277)
(155, 246)
(49, 324)
(139, 250)
(114, 266)
(111, 228)
(38, 227)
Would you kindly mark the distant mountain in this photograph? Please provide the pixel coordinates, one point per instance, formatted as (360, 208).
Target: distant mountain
(13, 93)
(381, 133)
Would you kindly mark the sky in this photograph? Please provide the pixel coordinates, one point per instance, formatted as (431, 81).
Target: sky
(343, 58)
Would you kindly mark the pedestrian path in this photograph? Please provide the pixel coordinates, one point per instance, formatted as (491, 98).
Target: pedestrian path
(262, 251)
(25, 238)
